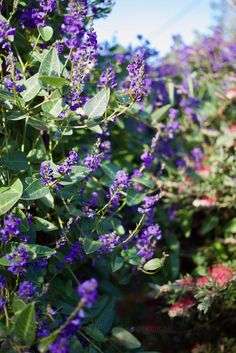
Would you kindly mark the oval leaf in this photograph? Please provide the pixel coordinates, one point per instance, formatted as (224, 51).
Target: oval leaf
(25, 325)
(96, 106)
(10, 195)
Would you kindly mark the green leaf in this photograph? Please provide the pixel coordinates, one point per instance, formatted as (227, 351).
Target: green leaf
(32, 88)
(54, 81)
(96, 106)
(40, 250)
(25, 325)
(48, 200)
(5, 95)
(15, 116)
(93, 332)
(55, 104)
(42, 224)
(134, 198)
(106, 317)
(4, 261)
(209, 224)
(78, 173)
(18, 305)
(50, 66)
(146, 181)
(24, 225)
(10, 195)
(15, 160)
(231, 226)
(153, 264)
(34, 190)
(160, 113)
(125, 338)
(91, 245)
(46, 33)
(116, 263)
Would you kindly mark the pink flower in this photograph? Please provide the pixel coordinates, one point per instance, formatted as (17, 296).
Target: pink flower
(181, 306)
(204, 171)
(219, 273)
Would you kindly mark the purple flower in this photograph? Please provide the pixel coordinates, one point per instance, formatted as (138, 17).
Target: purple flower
(10, 227)
(46, 173)
(107, 78)
(109, 242)
(93, 161)
(75, 253)
(18, 259)
(3, 302)
(65, 167)
(12, 81)
(147, 242)
(147, 159)
(26, 290)
(3, 282)
(173, 113)
(120, 183)
(148, 204)
(136, 72)
(5, 32)
(36, 17)
(88, 292)
(197, 155)
(59, 346)
(73, 25)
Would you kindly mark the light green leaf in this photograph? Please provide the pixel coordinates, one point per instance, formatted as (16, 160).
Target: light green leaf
(42, 224)
(153, 264)
(40, 250)
(160, 113)
(54, 81)
(46, 33)
(50, 66)
(25, 325)
(18, 305)
(91, 245)
(48, 200)
(231, 226)
(34, 190)
(125, 338)
(32, 88)
(10, 195)
(96, 106)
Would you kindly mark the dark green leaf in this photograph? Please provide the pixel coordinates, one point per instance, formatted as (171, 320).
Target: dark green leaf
(25, 325)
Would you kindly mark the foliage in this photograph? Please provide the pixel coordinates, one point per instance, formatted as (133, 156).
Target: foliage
(117, 175)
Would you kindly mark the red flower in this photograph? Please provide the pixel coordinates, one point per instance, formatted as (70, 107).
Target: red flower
(219, 273)
(185, 281)
(204, 171)
(180, 307)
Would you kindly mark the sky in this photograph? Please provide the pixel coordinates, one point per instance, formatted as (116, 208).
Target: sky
(156, 20)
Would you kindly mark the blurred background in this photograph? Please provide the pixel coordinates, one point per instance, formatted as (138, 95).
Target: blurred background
(159, 20)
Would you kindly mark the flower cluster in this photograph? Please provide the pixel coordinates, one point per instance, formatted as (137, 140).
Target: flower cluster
(88, 292)
(109, 242)
(26, 290)
(147, 242)
(10, 228)
(33, 17)
(5, 33)
(65, 167)
(136, 71)
(121, 182)
(107, 78)
(18, 260)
